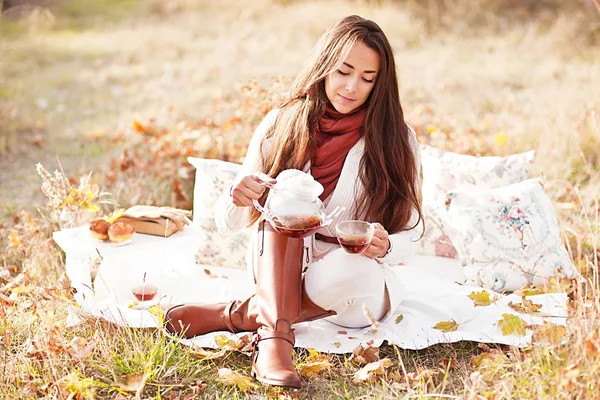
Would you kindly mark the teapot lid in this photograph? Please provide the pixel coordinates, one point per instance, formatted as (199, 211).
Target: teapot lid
(298, 182)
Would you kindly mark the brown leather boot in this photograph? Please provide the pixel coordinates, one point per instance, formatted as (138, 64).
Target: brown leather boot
(189, 320)
(278, 268)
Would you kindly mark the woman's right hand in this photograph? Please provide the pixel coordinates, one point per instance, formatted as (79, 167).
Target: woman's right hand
(249, 188)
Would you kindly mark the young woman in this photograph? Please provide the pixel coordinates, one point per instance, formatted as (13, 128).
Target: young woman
(343, 123)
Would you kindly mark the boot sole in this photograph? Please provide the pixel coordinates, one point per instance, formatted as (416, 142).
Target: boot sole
(273, 382)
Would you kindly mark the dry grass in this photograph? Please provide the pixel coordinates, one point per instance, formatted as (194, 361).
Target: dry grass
(476, 77)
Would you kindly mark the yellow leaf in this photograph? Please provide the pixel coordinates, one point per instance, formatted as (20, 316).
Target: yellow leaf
(233, 378)
(399, 318)
(549, 333)
(203, 354)
(529, 291)
(224, 342)
(527, 306)
(236, 344)
(314, 368)
(482, 299)
(447, 326)
(23, 289)
(371, 370)
(511, 324)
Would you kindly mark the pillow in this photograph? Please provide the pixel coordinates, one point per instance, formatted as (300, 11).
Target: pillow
(213, 178)
(507, 237)
(445, 171)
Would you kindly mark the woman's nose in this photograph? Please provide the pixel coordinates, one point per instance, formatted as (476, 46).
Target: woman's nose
(351, 85)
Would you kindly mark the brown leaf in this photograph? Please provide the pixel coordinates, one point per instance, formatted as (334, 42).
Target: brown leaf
(343, 332)
(82, 348)
(132, 383)
(371, 370)
(399, 318)
(526, 307)
(364, 356)
(448, 363)
(592, 346)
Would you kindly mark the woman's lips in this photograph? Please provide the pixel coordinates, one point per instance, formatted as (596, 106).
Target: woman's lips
(346, 99)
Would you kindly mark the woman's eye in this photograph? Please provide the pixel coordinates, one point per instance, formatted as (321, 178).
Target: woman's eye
(368, 80)
(343, 73)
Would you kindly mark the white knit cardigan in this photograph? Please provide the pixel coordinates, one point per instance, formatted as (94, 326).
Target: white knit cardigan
(230, 218)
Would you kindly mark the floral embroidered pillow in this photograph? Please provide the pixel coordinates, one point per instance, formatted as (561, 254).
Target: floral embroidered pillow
(507, 237)
(213, 178)
(445, 171)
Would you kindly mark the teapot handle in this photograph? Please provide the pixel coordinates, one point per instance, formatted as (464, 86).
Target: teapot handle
(329, 218)
(263, 183)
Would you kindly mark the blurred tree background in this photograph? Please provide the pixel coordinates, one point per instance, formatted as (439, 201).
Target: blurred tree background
(477, 76)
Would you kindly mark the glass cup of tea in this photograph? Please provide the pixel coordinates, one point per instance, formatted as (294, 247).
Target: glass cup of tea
(354, 236)
(144, 289)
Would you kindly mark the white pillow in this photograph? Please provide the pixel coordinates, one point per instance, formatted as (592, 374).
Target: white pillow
(213, 178)
(507, 237)
(445, 171)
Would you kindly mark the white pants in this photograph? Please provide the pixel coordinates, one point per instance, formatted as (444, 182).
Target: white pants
(347, 284)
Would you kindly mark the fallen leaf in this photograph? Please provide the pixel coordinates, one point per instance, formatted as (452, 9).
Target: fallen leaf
(82, 348)
(203, 354)
(315, 366)
(242, 344)
(132, 382)
(399, 318)
(448, 363)
(482, 299)
(592, 346)
(529, 291)
(234, 378)
(342, 332)
(337, 344)
(371, 370)
(525, 307)
(511, 324)
(364, 356)
(447, 326)
(548, 333)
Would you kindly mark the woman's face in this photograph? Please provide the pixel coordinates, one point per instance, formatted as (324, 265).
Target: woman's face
(349, 86)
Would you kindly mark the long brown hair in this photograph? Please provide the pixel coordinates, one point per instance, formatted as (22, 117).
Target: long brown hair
(388, 169)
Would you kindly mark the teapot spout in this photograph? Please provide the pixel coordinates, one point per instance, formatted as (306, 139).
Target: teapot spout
(329, 218)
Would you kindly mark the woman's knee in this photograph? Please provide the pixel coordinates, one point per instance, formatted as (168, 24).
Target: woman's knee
(340, 276)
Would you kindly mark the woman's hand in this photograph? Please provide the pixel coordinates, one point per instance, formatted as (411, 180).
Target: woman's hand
(380, 243)
(249, 188)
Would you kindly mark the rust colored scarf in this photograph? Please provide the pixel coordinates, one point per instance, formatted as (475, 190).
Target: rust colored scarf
(335, 135)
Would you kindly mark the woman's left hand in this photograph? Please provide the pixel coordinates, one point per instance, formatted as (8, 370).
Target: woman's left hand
(380, 243)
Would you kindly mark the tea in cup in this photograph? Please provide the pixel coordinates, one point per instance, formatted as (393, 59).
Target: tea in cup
(354, 236)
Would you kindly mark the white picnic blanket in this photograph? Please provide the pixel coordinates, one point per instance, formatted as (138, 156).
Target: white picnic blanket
(432, 296)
